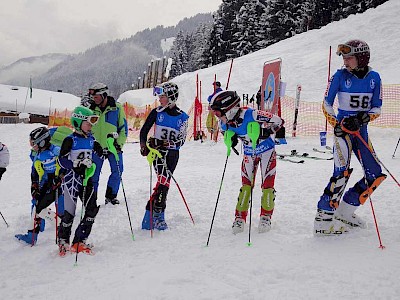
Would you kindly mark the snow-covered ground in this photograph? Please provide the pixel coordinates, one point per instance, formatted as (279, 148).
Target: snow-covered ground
(285, 263)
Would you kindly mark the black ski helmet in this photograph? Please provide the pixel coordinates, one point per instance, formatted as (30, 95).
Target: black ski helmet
(40, 137)
(227, 102)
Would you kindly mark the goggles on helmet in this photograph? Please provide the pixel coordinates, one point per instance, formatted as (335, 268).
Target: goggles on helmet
(91, 119)
(158, 91)
(347, 50)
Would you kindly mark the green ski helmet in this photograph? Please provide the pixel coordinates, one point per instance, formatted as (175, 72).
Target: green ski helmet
(81, 114)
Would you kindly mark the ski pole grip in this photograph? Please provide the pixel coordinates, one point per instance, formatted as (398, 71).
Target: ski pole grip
(111, 147)
(253, 131)
(228, 140)
(89, 172)
(152, 154)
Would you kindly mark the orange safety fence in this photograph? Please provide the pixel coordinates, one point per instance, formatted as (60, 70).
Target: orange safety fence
(310, 120)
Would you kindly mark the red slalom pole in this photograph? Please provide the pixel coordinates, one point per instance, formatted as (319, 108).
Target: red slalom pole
(372, 206)
(229, 75)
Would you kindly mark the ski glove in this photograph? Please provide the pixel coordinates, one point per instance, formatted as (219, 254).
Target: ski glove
(115, 135)
(144, 151)
(100, 152)
(80, 165)
(234, 140)
(338, 131)
(363, 117)
(351, 123)
(158, 144)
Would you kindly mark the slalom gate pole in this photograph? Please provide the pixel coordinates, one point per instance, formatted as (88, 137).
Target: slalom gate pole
(88, 173)
(229, 75)
(395, 149)
(216, 203)
(4, 219)
(111, 148)
(370, 201)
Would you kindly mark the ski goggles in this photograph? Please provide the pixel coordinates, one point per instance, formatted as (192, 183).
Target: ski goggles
(347, 50)
(158, 91)
(91, 119)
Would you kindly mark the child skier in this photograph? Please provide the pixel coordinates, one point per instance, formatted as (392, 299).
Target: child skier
(75, 157)
(170, 134)
(45, 182)
(257, 150)
(359, 95)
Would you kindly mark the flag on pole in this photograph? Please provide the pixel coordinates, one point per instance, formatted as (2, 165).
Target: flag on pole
(30, 87)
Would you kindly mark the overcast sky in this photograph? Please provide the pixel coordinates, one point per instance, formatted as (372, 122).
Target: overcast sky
(37, 27)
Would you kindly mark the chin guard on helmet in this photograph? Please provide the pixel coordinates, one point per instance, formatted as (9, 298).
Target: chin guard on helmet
(227, 103)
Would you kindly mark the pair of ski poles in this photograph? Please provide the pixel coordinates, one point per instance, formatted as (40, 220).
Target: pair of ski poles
(152, 155)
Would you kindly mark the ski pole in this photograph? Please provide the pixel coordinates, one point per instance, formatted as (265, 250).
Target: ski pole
(150, 158)
(370, 201)
(216, 203)
(179, 189)
(88, 173)
(4, 219)
(358, 135)
(111, 148)
(396, 148)
(228, 142)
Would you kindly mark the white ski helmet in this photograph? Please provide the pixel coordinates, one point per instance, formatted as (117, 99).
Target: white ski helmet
(99, 89)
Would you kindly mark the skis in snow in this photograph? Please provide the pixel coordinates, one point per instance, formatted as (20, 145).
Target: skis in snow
(294, 153)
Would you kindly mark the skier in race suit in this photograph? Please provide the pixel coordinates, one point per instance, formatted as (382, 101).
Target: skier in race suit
(75, 158)
(45, 183)
(170, 134)
(258, 152)
(358, 89)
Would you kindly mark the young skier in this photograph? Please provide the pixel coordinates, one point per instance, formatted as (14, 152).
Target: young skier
(75, 157)
(170, 134)
(4, 159)
(45, 182)
(358, 89)
(258, 150)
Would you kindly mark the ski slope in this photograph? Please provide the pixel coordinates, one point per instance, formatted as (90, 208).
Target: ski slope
(286, 263)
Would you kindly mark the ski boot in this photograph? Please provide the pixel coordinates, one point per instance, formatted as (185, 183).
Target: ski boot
(30, 237)
(113, 201)
(82, 247)
(265, 224)
(159, 221)
(345, 213)
(238, 226)
(325, 224)
(63, 247)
